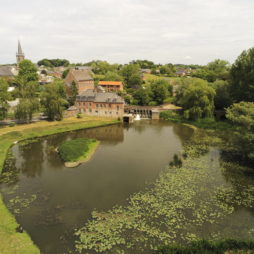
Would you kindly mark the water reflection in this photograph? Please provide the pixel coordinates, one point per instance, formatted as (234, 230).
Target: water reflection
(127, 159)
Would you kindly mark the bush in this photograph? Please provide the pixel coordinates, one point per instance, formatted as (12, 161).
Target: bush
(79, 115)
(73, 150)
(209, 247)
(12, 124)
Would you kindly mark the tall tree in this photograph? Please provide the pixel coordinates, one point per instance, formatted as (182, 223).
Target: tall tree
(222, 98)
(27, 71)
(4, 97)
(197, 99)
(28, 101)
(160, 89)
(242, 77)
(73, 93)
(242, 115)
(53, 100)
(220, 68)
(142, 96)
(131, 75)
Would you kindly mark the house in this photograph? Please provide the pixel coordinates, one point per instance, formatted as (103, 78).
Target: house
(8, 72)
(83, 79)
(105, 104)
(111, 86)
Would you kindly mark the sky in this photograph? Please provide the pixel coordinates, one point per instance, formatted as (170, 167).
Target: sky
(118, 31)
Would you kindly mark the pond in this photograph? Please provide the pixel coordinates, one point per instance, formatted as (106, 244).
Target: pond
(50, 201)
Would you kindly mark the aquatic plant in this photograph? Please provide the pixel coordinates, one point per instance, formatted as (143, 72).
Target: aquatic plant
(74, 150)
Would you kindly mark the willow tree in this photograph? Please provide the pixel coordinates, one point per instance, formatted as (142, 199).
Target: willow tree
(53, 100)
(197, 99)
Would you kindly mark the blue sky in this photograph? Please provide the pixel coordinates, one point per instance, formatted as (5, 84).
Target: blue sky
(177, 31)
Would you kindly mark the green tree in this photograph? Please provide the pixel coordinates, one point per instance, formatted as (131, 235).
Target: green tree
(28, 101)
(53, 100)
(132, 76)
(242, 77)
(168, 69)
(142, 96)
(74, 93)
(53, 62)
(242, 115)
(160, 90)
(220, 68)
(222, 98)
(4, 97)
(27, 71)
(197, 99)
(65, 73)
(112, 76)
(205, 74)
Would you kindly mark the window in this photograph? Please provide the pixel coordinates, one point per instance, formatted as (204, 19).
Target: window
(97, 105)
(109, 105)
(117, 107)
(90, 110)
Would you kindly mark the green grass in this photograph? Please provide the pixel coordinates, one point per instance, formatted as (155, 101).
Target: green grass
(12, 242)
(209, 247)
(77, 149)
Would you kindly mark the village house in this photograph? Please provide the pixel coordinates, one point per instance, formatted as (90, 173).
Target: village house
(100, 104)
(111, 86)
(82, 78)
(8, 72)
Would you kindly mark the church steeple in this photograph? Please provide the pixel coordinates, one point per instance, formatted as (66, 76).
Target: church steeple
(20, 55)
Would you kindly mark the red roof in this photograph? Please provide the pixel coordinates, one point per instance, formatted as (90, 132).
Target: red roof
(111, 83)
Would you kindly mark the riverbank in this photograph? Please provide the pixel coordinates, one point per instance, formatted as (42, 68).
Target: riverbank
(77, 151)
(205, 123)
(10, 240)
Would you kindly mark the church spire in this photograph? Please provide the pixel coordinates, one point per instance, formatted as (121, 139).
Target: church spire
(19, 49)
(20, 55)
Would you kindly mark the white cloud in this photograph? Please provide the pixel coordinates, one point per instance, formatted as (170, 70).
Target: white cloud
(119, 31)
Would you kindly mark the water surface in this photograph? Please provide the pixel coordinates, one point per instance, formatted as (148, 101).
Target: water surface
(50, 201)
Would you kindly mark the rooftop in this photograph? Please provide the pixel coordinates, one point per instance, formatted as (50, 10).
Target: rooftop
(91, 95)
(111, 83)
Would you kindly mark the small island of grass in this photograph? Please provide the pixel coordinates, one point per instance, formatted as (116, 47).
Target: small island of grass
(77, 151)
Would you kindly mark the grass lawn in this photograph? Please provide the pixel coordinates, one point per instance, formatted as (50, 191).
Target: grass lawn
(12, 242)
(77, 151)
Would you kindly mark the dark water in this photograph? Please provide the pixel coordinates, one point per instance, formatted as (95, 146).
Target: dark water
(50, 201)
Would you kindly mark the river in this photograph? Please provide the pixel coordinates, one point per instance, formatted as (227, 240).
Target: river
(51, 201)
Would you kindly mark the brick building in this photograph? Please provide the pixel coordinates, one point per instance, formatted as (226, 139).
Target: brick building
(111, 86)
(100, 104)
(82, 78)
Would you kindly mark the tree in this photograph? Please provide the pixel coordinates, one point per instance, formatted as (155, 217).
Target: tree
(131, 75)
(112, 76)
(65, 73)
(197, 99)
(242, 115)
(28, 101)
(222, 98)
(142, 96)
(160, 90)
(27, 71)
(74, 93)
(53, 100)
(168, 69)
(205, 74)
(242, 77)
(53, 62)
(220, 68)
(4, 97)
